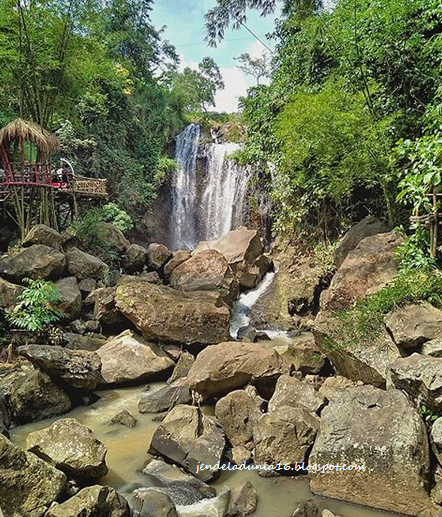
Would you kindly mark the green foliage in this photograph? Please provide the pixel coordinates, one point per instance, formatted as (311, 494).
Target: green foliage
(37, 307)
(88, 228)
(112, 213)
(364, 322)
(428, 414)
(413, 253)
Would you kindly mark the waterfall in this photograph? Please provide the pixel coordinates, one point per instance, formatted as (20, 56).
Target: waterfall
(207, 201)
(183, 215)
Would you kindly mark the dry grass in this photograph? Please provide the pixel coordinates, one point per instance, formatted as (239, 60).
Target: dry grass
(17, 129)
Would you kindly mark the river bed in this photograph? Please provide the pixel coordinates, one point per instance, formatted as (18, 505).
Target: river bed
(127, 450)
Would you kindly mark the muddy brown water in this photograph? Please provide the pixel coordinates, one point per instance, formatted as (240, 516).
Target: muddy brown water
(127, 450)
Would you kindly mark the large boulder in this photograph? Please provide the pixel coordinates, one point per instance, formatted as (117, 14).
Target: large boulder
(237, 246)
(383, 432)
(157, 256)
(293, 392)
(206, 271)
(178, 258)
(9, 294)
(359, 361)
(421, 377)
(31, 395)
(302, 354)
(28, 485)
(90, 343)
(105, 310)
(82, 265)
(364, 271)
(135, 258)
(182, 367)
(414, 324)
(115, 237)
(36, 262)
(77, 368)
(249, 275)
(165, 398)
(42, 234)
(365, 228)
(71, 303)
(285, 435)
(238, 412)
(129, 359)
(189, 438)
(152, 502)
(222, 368)
(71, 447)
(92, 501)
(164, 314)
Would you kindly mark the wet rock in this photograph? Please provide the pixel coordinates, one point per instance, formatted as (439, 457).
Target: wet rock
(77, 368)
(182, 367)
(93, 501)
(237, 412)
(295, 393)
(165, 398)
(9, 294)
(78, 342)
(246, 334)
(36, 262)
(414, 324)
(243, 500)
(164, 475)
(177, 258)
(206, 271)
(42, 234)
(163, 314)
(366, 362)
(158, 255)
(189, 438)
(365, 228)
(284, 435)
(72, 301)
(364, 271)
(382, 431)
(82, 265)
(421, 377)
(129, 359)
(31, 395)
(124, 418)
(71, 447)
(115, 237)
(249, 275)
(222, 368)
(302, 354)
(306, 509)
(135, 258)
(152, 502)
(28, 485)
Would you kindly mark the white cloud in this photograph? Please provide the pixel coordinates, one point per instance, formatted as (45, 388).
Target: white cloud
(236, 84)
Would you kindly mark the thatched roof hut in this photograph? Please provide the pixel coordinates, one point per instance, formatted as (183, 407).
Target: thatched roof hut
(19, 130)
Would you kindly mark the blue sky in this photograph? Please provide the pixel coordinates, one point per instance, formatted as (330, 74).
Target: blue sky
(185, 29)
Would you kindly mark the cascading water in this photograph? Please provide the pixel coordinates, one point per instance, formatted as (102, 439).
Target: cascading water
(206, 203)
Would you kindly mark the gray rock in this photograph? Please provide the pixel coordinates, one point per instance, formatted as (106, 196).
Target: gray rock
(306, 509)
(158, 255)
(9, 294)
(31, 395)
(382, 431)
(42, 234)
(77, 368)
(152, 502)
(115, 237)
(284, 436)
(189, 438)
(295, 393)
(82, 265)
(332, 386)
(302, 354)
(36, 262)
(165, 398)
(71, 303)
(87, 285)
(124, 418)
(93, 501)
(414, 324)
(78, 342)
(182, 367)
(71, 447)
(129, 359)
(436, 439)
(136, 258)
(238, 412)
(243, 500)
(28, 485)
(246, 334)
(432, 348)
(421, 377)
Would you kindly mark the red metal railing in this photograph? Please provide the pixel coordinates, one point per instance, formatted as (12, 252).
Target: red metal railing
(32, 175)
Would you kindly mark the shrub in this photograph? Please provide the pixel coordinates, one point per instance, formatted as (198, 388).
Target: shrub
(112, 213)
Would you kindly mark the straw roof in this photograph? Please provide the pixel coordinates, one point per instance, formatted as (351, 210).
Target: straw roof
(19, 128)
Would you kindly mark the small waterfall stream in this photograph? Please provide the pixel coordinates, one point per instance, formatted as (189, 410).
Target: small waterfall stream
(208, 200)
